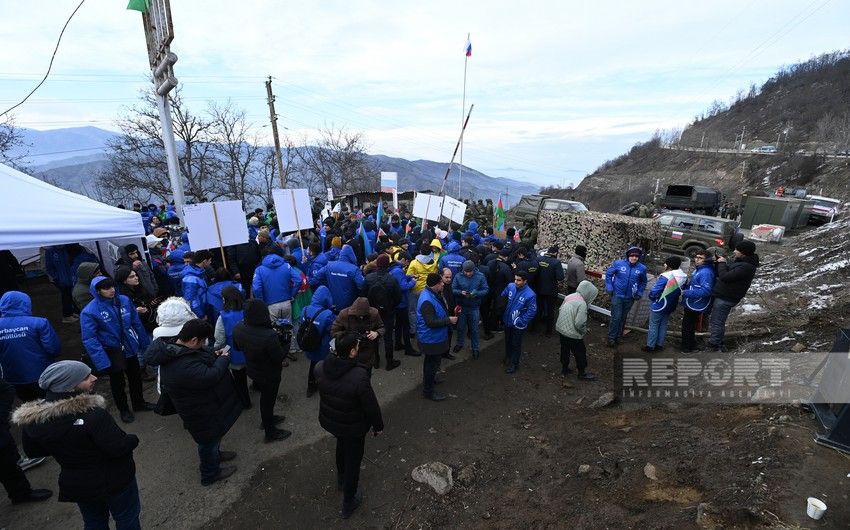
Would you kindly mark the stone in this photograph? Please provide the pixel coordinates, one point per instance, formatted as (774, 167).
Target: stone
(466, 475)
(650, 472)
(784, 418)
(603, 401)
(435, 474)
(798, 347)
(583, 469)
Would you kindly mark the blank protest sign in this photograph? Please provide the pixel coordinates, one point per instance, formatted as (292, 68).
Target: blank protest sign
(454, 209)
(286, 214)
(201, 221)
(428, 206)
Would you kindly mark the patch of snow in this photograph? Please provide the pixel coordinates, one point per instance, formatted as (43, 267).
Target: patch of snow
(751, 308)
(807, 252)
(821, 302)
(783, 339)
(826, 287)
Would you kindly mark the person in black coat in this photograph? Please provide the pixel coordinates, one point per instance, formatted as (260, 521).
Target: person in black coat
(12, 477)
(384, 294)
(95, 455)
(733, 282)
(200, 386)
(242, 260)
(550, 271)
(264, 355)
(348, 409)
(501, 275)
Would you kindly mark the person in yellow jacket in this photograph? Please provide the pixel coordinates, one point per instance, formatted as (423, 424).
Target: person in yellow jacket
(423, 265)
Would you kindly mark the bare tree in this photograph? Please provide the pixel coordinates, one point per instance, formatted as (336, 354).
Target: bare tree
(11, 139)
(338, 160)
(237, 149)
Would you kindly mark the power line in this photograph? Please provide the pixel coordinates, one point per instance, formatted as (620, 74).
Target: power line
(49, 66)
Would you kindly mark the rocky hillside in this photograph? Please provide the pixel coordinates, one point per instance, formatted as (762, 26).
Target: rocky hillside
(805, 105)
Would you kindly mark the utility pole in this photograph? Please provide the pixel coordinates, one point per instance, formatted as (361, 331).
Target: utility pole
(743, 169)
(743, 130)
(159, 32)
(273, 117)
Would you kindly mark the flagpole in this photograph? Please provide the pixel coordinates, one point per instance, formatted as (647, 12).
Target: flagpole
(462, 116)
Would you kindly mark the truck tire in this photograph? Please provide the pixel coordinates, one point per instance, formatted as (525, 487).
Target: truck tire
(691, 250)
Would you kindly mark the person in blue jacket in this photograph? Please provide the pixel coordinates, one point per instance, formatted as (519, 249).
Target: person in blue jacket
(276, 284)
(317, 260)
(519, 312)
(343, 277)
(113, 335)
(194, 282)
(625, 281)
(664, 298)
(452, 259)
(27, 345)
(176, 264)
(61, 264)
(215, 297)
(231, 314)
(470, 288)
(473, 231)
(406, 282)
(320, 311)
(696, 298)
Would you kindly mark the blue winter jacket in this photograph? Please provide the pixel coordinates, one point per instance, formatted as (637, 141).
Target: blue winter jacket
(476, 285)
(624, 280)
(275, 281)
(667, 303)
(473, 231)
(194, 286)
(101, 327)
(320, 309)
(229, 319)
(521, 308)
(175, 271)
(332, 254)
(405, 281)
(215, 303)
(58, 266)
(697, 295)
(343, 277)
(27, 343)
(317, 263)
(452, 259)
(425, 334)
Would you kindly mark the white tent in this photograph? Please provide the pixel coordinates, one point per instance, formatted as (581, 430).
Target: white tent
(35, 214)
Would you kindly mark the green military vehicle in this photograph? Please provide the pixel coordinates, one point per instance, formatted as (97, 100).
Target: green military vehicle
(529, 207)
(686, 233)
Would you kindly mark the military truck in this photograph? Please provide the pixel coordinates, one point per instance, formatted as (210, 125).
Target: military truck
(697, 199)
(529, 207)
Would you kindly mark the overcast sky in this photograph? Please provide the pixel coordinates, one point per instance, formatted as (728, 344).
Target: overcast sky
(559, 87)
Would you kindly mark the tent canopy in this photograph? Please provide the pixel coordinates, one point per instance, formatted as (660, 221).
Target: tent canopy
(35, 214)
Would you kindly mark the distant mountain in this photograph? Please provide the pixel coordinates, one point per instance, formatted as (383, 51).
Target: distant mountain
(72, 158)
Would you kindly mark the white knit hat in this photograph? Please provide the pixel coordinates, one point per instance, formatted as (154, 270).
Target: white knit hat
(171, 315)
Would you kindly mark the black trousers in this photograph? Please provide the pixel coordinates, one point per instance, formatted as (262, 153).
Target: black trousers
(349, 455)
(134, 381)
(388, 319)
(11, 476)
(579, 351)
(402, 325)
(486, 303)
(430, 367)
(689, 325)
(268, 396)
(240, 379)
(550, 310)
(65, 292)
(29, 392)
(311, 377)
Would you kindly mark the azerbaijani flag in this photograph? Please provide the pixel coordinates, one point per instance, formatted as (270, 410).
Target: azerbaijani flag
(499, 221)
(323, 235)
(673, 284)
(468, 47)
(367, 246)
(379, 216)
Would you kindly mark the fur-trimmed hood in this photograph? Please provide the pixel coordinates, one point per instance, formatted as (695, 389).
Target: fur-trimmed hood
(43, 411)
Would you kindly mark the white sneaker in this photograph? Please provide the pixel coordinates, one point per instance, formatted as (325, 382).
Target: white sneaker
(26, 463)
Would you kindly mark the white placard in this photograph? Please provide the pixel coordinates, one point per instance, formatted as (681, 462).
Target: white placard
(330, 194)
(428, 206)
(201, 222)
(454, 209)
(286, 215)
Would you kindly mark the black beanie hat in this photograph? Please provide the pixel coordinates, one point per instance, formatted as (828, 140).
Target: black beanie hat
(581, 250)
(433, 279)
(747, 248)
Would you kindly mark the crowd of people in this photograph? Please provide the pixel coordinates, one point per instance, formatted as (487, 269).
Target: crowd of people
(203, 323)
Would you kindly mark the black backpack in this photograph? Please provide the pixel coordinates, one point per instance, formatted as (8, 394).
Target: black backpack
(380, 297)
(309, 337)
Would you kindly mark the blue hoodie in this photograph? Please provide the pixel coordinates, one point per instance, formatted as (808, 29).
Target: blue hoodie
(194, 283)
(343, 277)
(317, 263)
(101, 328)
(275, 281)
(473, 231)
(521, 308)
(667, 304)
(320, 310)
(405, 281)
(624, 279)
(452, 259)
(27, 343)
(697, 295)
(215, 303)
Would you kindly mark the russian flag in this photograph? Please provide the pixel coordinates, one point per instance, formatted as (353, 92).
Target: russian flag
(468, 47)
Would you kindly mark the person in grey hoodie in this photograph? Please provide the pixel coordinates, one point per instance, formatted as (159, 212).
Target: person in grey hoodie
(572, 327)
(575, 269)
(86, 272)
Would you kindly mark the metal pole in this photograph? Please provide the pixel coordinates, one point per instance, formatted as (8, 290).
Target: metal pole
(164, 107)
(462, 120)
